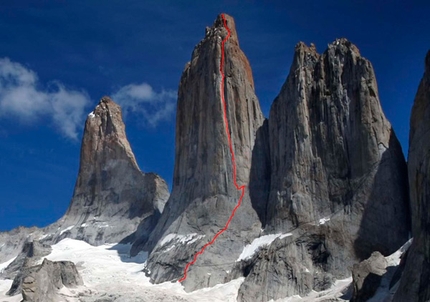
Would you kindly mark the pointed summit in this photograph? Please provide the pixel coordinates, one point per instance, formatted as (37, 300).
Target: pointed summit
(111, 194)
(204, 194)
(104, 139)
(219, 28)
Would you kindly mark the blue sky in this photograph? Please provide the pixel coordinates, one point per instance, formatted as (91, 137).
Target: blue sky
(58, 58)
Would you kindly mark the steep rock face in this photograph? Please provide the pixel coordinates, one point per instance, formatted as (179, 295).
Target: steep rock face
(415, 282)
(204, 194)
(334, 152)
(259, 182)
(112, 196)
(337, 172)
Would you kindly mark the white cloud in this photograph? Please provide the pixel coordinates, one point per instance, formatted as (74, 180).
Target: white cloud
(142, 99)
(22, 98)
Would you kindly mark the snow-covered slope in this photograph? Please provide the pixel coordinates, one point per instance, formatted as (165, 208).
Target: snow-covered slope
(4, 287)
(110, 274)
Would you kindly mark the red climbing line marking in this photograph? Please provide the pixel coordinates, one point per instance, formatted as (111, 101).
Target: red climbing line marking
(233, 159)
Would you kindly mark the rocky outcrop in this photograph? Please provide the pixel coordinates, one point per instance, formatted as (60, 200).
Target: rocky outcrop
(31, 253)
(41, 283)
(204, 194)
(290, 265)
(337, 174)
(112, 196)
(415, 281)
(367, 276)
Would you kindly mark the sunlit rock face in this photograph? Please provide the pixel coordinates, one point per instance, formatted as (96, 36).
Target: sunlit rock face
(112, 195)
(204, 194)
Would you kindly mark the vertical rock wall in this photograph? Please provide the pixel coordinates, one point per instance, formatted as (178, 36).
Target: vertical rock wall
(415, 282)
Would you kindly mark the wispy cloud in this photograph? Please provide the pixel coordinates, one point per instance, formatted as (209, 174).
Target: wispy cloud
(22, 97)
(154, 106)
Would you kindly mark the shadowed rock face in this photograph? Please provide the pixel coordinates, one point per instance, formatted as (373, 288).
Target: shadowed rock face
(415, 282)
(112, 196)
(338, 175)
(329, 141)
(204, 195)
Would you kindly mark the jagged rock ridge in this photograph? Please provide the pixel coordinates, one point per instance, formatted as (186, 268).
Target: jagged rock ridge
(203, 194)
(415, 281)
(338, 176)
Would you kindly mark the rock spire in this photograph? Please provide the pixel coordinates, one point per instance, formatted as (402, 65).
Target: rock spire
(204, 195)
(112, 195)
(338, 176)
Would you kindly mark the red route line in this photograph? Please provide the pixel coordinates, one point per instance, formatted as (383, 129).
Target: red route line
(233, 159)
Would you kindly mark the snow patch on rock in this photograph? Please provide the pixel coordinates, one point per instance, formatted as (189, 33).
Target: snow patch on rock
(66, 229)
(259, 242)
(182, 239)
(334, 293)
(381, 148)
(6, 264)
(324, 220)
